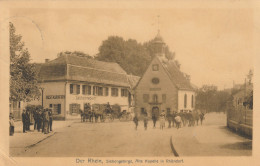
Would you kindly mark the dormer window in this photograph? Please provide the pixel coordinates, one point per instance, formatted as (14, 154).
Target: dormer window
(155, 67)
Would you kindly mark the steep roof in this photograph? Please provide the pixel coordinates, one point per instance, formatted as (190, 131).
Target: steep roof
(72, 67)
(176, 76)
(133, 80)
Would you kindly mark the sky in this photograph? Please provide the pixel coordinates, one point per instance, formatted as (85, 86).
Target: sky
(213, 45)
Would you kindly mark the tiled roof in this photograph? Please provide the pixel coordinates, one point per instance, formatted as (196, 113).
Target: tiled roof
(177, 77)
(71, 67)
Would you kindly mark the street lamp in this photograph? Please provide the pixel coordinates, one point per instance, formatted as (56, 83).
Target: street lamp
(42, 95)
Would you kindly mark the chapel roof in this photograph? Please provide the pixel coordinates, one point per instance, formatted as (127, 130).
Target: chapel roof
(176, 76)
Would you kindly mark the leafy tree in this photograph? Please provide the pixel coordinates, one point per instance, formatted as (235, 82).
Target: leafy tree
(77, 53)
(129, 54)
(23, 76)
(132, 56)
(210, 99)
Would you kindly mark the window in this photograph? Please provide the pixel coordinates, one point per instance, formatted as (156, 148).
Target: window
(168, 110)
(106, 91)
(142, 111)
(97, 91)
(74, 108)
(114, 91)
(124, 93)
(192, 101)
(155, 80)
(185, 100)
(146, 98)
(155, 98)
(86, 90)
(164, 98)
(56, 109)
(74, 89)
(155, 67)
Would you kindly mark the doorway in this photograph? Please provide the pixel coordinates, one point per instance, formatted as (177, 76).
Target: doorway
(155, 110)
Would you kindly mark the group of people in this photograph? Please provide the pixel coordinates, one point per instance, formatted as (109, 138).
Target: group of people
(176, 119)
(162, 118)
(42, 120)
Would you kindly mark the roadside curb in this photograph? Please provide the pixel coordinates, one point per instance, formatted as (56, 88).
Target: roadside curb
(173, 149)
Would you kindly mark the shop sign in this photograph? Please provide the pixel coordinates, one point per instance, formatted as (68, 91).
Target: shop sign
(85, 98)
(155, 89)
(55, 97)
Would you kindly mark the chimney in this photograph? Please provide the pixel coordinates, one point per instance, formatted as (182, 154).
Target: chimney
(47, 60)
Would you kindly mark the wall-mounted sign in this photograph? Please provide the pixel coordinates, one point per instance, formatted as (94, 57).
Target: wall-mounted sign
(55, 97)
(85, 98)
(155, 89)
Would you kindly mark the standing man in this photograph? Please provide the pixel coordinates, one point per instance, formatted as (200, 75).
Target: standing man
(46, 121)
(35, 117)
(24, 121)
(39, 124)
(136, 121)
(50, 117)
(27, 120)
(169, 118)
(154, 118)
(145, 120)
(162, 120)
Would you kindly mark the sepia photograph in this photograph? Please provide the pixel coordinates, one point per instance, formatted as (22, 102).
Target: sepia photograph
(130, 81)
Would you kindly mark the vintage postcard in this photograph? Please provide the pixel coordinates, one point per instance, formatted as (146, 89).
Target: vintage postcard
(129, 83)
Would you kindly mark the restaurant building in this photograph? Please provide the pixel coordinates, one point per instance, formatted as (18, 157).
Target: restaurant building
(70, 82)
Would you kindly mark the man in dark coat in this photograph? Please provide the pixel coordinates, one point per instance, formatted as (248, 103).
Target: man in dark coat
(35, 117)
(39, 124)
(27, 120)
(135, 121)
(50, 119)
(145, 120)
(154, 118)
(24, 121)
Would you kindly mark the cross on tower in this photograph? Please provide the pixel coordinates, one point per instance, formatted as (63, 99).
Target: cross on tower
(158, 16)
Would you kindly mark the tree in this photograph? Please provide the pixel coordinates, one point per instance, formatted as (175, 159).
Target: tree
(129, 54)
(77, 53)
(210, 99)
(23, 76)
(132, 56)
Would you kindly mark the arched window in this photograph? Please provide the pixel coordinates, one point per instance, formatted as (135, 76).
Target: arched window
(192, 101)
(185, 100)
(155, 98)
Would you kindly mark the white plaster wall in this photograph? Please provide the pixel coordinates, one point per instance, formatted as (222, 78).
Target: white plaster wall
(181, 94)
(82, 99)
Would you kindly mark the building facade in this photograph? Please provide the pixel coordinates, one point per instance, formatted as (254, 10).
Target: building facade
(163, 86)
(70, 82)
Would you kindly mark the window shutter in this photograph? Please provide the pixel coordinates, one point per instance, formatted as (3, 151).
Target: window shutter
(71, 88)
(78, 89)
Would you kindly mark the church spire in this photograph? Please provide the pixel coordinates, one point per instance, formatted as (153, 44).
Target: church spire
(158, 43)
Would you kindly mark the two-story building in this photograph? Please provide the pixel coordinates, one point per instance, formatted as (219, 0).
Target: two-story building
(70, 82)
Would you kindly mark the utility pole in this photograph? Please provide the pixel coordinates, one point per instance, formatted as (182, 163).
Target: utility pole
(42, 95)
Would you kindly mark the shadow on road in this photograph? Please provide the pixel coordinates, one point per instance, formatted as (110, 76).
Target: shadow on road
(238, 146)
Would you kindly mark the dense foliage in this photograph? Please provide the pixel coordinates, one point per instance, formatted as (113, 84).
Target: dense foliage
(23, 77)
(211, 100)
(132, 56)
